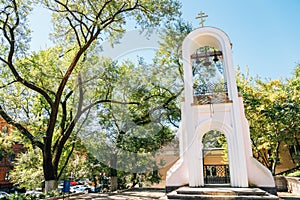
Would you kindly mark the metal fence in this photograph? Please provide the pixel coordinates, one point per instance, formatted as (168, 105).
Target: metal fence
(216, 174)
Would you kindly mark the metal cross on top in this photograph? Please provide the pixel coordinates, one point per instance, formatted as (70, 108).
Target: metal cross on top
(202, 16)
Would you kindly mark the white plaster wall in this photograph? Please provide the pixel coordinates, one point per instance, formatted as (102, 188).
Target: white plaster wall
(178, 174)
(208, 36)
(220, 120)
(217, 112)
(226, 129)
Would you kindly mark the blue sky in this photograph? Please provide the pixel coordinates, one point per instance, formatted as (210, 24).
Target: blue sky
(265, 33)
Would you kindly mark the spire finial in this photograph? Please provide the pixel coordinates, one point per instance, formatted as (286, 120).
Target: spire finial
(202, 16)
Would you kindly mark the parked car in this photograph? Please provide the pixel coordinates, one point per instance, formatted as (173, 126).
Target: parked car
(96, 189)
(73, 189)
(33, 192)
(17, 190)
(73, 183)
(80, 189)
(84, 189)
(3, 194)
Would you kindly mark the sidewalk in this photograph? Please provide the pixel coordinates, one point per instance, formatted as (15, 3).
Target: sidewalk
(147, 194)
(133, 194)
(289, 196)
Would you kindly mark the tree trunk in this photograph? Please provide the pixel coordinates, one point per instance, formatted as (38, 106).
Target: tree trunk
(274, 164)
(134, 180)
(95, 180)
(113, 173)
(134, 177)
(50, 174)
(50, 185)
(113, 183)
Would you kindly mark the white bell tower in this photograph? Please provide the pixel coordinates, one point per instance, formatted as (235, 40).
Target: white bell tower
(210, 108)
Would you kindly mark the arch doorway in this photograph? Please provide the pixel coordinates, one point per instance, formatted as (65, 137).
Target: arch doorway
(215, 158)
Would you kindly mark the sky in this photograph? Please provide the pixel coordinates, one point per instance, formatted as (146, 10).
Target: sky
(265, 33)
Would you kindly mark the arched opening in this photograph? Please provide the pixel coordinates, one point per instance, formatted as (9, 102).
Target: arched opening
(209, 82)
(215, 158)
(208, 70)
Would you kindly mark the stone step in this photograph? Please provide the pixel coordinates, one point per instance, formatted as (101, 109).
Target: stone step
(220, 193)
(210, 197)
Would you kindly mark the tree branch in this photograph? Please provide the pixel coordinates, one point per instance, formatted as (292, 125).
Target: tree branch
(75, 31)
(111, 19)
(10, 37)
(107, 101)
(73, 64)
(146, 118)
(67, 160)
(3, 86)
(21, 128)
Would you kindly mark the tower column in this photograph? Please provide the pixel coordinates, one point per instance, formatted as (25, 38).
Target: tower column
(228, 115)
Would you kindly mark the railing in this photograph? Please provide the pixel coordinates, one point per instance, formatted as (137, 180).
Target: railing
(210, 88)
(216, 174)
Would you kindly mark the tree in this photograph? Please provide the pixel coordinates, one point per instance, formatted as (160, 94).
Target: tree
(169, 54)
(293, 113)
(83, 165)
(214, 139)
(28, 171)
(48, 118)
(272, 109)
(135, 131)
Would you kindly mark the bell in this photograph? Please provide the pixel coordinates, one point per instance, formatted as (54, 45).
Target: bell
(215, 59)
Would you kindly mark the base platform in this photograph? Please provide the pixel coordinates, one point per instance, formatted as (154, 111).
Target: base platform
(221, 193)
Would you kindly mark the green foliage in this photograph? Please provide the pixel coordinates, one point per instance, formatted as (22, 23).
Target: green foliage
(272, 109)
(6, 142)
(82, 165)
(11, 12)
(214, 139)
(31, 196)
(295, 174)
(169, 55)
(132, 133)
(106, 18)
(42, 93)
(28, 171)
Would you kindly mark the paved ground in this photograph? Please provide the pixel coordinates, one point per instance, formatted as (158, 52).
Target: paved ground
(289, 196)
(135, 194)
(146, 194)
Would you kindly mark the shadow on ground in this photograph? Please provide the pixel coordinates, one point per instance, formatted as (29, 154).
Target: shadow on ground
(146, 194)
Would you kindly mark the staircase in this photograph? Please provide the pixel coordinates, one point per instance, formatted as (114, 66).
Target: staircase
(219, 193)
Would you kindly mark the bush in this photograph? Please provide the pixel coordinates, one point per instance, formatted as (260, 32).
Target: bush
(295, 174)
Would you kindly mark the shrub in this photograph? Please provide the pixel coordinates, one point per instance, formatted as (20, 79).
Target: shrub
(295, 174)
